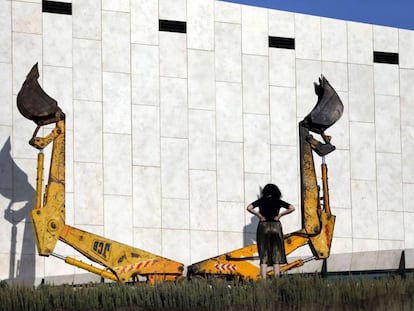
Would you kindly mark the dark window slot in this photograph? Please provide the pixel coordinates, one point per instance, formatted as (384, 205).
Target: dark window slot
(57, 7)
(386, 58)
(172, 26)
(282, 43)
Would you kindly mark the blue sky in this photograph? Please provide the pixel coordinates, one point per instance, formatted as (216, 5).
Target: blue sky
(393, 13)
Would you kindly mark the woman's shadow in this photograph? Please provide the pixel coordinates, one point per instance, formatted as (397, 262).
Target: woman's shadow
(19, 191)
(249, 230)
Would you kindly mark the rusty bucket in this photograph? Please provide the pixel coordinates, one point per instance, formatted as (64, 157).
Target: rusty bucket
(34, 104)
(328, 109)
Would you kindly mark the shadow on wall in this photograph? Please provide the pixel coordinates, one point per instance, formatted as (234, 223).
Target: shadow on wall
(21, 270)
(249, 230)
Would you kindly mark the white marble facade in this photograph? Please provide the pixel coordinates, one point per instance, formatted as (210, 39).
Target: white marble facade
(171, 135)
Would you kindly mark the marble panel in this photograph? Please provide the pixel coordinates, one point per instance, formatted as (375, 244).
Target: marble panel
(229, 112)
(389, 182)
(231, 218)
(390, 225)
(5, 31)
(361, 93)
(21, 131)
(87, 131)
(120, 5)
(116, 52)
(89, 193)
(364, 210)
(253, 185)
(87, 19)
(116, 102)
(341, 245)
(385, 39)
(227, 12)
(229, 241)
(406, 48)
(362, 150)
(175, 11)
(343, 223)
(230, 185)
(7, 221)
(254, 30)
(27, 51)
(27, 17)
(307, 72)
(144, 21)
(174, 168)
(69, 178)
(407, 137)
(408, 197)
(148, 239)
(281, 24)
(175, 214)
(202, 139)
(339, 178)
(173, 104)
(87, 69)
(228, 57)
(386, 79)
(6, 108)
(387, 124)
(117, 162)
(285, 172)
(388, 259)
(118, 218)
(201, 83)
(204, 244)
(282, 67)
(145, 74)
(145, 135)
(178, 247)
(409, 258)
(146, 196)
(361, 245)
(283, 129)
(360, 43)
(406, 97)
(200, 24)
(256, 144)
(337, 75)
(57, 82)
(57, 40)
(339, 262)
(308, 37)
(203, 200)
(334, 40)
(408, 230)
(390, 245)
(173, 55)
(6, 160)
(364, 260)
(255, 84)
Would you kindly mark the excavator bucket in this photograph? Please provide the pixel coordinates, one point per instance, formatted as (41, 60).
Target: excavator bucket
(327, 110)
(34, 104)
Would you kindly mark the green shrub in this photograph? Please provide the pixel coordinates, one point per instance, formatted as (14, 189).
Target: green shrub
(288, 293)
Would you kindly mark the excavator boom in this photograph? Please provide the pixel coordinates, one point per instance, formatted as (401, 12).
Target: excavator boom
(120, 262)
(317, 220)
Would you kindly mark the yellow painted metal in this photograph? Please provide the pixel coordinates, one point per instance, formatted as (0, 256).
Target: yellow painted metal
(39, 179)
(102, 272)
(49, 220)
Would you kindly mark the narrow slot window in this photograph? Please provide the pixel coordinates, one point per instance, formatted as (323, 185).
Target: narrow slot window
(386, 58)
(172, 26)
(57, 7)
(282, 43)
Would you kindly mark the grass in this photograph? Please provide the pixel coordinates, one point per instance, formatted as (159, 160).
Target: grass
(288, 293)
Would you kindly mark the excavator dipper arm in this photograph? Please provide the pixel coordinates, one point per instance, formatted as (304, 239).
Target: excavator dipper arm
(119, 262)
(317, 220)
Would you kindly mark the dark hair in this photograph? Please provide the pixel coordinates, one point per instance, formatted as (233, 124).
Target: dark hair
(271, 190)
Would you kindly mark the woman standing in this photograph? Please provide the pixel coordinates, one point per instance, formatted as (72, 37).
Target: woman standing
(270, 242)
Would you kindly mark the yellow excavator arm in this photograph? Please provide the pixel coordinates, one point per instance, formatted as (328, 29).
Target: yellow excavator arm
(317, 220)
(120, 262)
